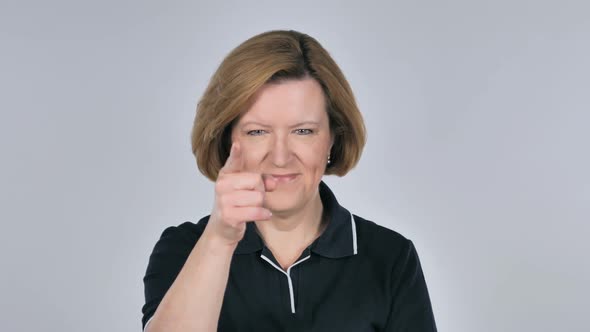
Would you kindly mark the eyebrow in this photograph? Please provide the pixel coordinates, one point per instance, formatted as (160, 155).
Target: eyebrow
(267, 126)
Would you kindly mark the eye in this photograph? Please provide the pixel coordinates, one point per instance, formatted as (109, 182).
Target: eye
(256, 132)
(304, 131)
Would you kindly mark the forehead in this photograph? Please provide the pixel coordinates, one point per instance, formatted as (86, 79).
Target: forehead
(291, 100)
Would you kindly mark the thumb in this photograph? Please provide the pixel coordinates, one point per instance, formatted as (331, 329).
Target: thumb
(270, 184)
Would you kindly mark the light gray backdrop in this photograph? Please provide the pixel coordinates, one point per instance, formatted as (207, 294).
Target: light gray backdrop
(477, 113)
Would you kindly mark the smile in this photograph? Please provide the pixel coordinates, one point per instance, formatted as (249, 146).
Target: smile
(284, 178)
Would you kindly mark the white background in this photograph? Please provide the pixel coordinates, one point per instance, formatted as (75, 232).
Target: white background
(478, 148)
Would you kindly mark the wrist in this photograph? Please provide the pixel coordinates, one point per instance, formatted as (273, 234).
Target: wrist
(217, 244)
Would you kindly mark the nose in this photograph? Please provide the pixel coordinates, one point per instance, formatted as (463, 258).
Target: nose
(280, 152)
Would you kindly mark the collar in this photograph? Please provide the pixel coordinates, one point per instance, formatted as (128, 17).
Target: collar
(338, 239)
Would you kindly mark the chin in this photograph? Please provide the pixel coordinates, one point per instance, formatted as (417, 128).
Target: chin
(279, 202)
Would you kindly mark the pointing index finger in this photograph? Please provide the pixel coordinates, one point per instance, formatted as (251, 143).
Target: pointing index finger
(233, 164)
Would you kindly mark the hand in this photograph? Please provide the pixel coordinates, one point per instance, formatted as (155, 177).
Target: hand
(239, 198)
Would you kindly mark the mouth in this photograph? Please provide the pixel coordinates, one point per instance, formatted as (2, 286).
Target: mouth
(284, 178)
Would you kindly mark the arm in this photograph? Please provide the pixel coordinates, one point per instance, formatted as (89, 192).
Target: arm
(194, 298)
(190, 279)
(411, 310)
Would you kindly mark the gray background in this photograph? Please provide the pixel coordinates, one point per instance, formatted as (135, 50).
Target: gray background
(477, 114)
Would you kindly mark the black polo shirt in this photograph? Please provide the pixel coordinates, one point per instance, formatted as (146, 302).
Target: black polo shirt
(356, 276)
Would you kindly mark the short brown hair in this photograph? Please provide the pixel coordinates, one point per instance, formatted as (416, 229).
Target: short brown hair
(270, 57)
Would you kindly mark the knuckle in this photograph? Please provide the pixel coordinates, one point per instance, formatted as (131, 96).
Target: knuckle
(259, 197)
(224, 201)
(261, 212)
(220, 184)
(252, 176)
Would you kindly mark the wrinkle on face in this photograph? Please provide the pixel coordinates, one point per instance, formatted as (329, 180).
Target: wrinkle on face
(286, 130)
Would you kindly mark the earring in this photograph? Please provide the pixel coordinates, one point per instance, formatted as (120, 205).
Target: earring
(328, 159)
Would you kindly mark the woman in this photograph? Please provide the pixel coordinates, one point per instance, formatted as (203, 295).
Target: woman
(277, 252)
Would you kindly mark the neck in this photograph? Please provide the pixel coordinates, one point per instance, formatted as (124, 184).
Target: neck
(293, 232)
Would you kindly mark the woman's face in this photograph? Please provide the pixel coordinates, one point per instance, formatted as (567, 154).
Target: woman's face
(286, 134)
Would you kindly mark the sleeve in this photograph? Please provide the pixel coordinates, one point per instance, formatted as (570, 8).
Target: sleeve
(167, 259)
(411, 310)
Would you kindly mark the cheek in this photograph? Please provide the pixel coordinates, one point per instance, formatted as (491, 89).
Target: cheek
(252, 155)
(314, 156)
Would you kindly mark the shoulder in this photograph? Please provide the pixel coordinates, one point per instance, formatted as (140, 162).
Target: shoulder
(379, 242)
(377, 234)
(167, 259)
(174, 246)
(182, 236)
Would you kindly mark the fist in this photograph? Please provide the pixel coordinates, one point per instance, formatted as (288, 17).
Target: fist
(239, 198)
